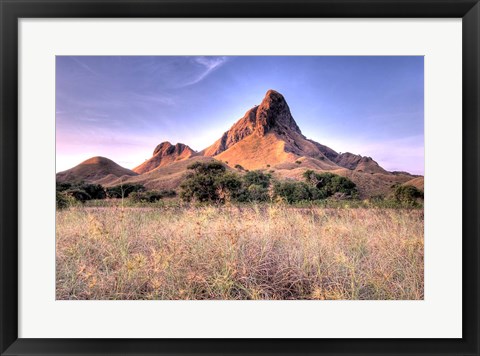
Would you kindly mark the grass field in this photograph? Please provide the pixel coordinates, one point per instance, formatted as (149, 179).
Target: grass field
(248, 252)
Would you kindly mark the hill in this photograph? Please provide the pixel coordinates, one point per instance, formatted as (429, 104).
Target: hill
(94, 169)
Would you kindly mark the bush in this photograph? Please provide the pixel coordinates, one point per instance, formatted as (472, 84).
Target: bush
(168, 193)
(82, 191)
(209, 182)
(229, 187)
(293, 192)
(63, 200)
(61, 187)
(199, 187)
(150, 196)
(239, 167)
(78, 194)
(95, 191)
(257, 178)
(205, 168)
(407, 194)
(257, 193)
(124, 190)
(331, 184)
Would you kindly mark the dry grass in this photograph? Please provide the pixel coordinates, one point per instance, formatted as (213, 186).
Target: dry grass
(257, 252)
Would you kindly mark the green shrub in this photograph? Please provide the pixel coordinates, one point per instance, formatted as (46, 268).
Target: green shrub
(168, 193)
(78, 194)
(199, 187)
(257, 193)
(208, 182)
(257, 178)
(124, 190)
(150, 196)
(407, 194)
(293, 192)
(95, 191)
(61, 187)
(330, 183)
(63, 200)
(210, 167)
(229, 187)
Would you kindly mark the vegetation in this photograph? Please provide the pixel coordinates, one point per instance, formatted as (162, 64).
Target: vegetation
(407, 195)
(63, 200)
(205, 183)
(211, 182)
(294, 192)
(151, 196)
(330, 184)
(124, 190)
(81, 191)
(239, 235)
(70, 194)
(239, 252)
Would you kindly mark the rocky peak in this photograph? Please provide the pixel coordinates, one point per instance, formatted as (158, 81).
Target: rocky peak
(273, 113)
(165, 153)
(166, 148)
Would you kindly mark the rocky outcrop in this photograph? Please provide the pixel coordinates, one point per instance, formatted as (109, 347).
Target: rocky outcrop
(359, 163)
(164, 154)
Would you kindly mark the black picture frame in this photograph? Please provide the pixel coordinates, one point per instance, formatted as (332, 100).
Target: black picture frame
(12, 10)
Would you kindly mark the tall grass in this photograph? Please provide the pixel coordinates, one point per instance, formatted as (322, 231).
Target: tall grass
(247, 252)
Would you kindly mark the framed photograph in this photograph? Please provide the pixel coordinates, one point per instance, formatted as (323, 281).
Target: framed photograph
(258, 177)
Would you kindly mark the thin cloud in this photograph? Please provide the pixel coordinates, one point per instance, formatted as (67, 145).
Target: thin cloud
(208, 65)
(84, 66)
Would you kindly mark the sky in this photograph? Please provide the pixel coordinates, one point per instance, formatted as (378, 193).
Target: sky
(122, 107)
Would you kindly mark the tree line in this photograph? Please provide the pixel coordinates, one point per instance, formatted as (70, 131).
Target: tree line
(212, 183)
(71, 193)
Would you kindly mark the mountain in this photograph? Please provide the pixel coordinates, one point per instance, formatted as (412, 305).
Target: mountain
(93, 170)
(272, 113)
(164, 154)
(267, 135)
(266, 138)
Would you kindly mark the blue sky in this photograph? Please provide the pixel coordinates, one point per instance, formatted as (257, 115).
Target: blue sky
(121, 107)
